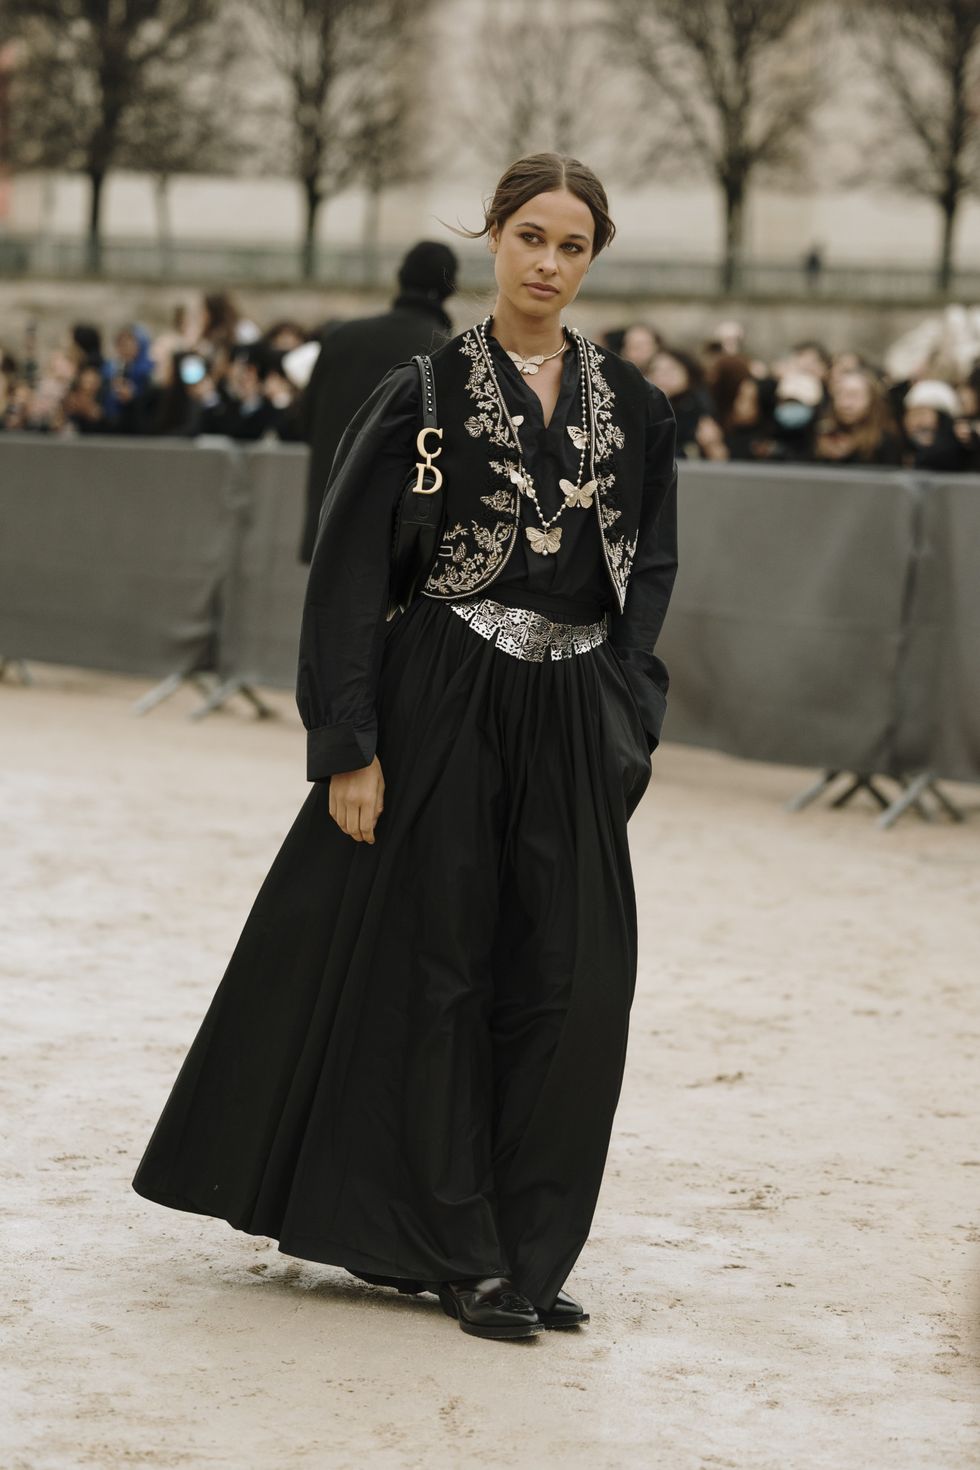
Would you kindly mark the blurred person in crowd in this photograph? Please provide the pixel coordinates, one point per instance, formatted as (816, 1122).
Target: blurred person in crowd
(130, 374)
(640, 345)
(679, 375)
(930, 412)
(810, 357)
(223, 325)
(813, 266)
(799, 397)
(728, 340)
(85, 404)
(859, 427)
(743, 407)
(187, 403)
(181, 336)
(284, 336)
(85, 345)
(356, 355)
(612, 339)
(253, 395)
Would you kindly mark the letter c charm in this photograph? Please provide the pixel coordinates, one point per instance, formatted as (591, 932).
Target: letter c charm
(428, 455)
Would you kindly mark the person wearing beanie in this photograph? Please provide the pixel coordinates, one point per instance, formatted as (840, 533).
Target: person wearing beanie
(356, 355)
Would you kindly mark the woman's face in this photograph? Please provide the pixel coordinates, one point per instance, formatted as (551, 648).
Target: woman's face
(670, 376)
(745, 408)
(921, 424)
(541, 253)
(640, 347)
(852, 398)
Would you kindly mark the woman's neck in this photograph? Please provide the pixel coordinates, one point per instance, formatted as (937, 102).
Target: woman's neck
(516, 331)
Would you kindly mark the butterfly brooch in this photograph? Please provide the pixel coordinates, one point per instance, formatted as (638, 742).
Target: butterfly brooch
(544, 541)
(577, 494)
(578, 436)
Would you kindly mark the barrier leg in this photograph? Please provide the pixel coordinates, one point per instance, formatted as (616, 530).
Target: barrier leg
(23, 672)
(862, 782)
(804, 798)
(169, 686)
(915, 789)
(235, 685)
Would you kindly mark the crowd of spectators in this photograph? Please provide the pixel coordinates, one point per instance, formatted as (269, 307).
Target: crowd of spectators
(214, 371)
(811, 406)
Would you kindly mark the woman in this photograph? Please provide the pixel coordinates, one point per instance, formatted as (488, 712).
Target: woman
(681, 378)
(411, 1066)
(859, 427)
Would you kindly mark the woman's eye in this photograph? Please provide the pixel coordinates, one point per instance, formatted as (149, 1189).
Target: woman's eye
(570, 244)
(531, 238)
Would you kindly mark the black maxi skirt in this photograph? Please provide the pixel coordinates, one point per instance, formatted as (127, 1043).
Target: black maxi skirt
(412, 1062)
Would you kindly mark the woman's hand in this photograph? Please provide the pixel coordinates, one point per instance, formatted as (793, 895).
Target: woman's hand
(357, 800)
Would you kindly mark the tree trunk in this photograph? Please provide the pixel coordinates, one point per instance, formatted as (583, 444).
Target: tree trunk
(734, 231)
(93, 247)
(948, 204)
(314, 199)
(165, 242)
(371, 233)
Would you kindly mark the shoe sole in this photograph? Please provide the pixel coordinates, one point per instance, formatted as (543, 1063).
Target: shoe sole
(503, 1332)
(569, 1322)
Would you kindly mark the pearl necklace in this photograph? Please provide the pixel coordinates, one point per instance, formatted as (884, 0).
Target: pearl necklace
(548, 539)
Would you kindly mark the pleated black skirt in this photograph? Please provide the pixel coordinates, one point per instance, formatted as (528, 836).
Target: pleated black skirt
(413, 1060)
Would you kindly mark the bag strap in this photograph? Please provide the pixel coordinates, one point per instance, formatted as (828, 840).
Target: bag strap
(424, 364)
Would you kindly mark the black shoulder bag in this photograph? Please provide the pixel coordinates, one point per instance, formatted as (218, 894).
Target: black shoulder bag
(419, 515)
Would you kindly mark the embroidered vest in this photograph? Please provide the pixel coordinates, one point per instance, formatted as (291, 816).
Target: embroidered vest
(479, 456)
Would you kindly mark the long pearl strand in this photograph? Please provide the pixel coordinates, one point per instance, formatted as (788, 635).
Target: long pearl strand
(575, 495)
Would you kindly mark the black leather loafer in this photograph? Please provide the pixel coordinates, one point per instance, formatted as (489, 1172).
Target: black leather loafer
(566, 1312)
(489, 1306)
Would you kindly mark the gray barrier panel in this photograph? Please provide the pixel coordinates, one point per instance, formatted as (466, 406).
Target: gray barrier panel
(113, 552)
(941, 671)
(259, 640)
(784, 632)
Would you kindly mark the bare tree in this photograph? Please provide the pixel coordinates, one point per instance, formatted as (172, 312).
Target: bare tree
(926, 57)
(84, 69)
(530, 82)
(388, 139)
(195, 130)
(729, 89)
(339, 60)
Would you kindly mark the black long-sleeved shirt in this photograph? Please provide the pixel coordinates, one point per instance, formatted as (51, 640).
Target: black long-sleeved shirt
(344, 619)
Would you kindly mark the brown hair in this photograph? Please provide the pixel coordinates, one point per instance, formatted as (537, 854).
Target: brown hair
(725, 378)
(868, 433)
(542, 173)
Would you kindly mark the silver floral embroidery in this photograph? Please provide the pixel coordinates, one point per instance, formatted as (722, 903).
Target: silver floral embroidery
(529, 635)
(499, 500)
(465, 570)
(469, 558)
(608, 436)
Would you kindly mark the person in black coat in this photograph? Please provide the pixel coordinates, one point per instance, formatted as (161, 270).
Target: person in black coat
(356, 355)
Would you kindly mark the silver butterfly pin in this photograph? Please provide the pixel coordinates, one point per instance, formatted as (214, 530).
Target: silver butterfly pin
(578, 436)
(577, 494)
(544, 541)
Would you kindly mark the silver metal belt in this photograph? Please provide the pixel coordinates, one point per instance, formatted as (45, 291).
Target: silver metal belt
(526, 634)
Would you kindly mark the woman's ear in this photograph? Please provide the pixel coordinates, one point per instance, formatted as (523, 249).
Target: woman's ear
(493, 238)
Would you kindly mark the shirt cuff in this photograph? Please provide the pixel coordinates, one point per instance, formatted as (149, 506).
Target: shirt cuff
(334, 748)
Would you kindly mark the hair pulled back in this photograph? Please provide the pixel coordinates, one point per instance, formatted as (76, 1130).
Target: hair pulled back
(542, 173)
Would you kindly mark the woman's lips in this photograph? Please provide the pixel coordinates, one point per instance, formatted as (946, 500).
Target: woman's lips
(541, 290)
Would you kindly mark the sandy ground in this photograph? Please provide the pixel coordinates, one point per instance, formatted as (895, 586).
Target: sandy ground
(783, 1266)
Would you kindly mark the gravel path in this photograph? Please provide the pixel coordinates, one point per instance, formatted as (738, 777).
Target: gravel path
(782, 1273)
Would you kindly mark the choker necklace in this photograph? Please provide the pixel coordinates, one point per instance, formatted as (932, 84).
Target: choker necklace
(580, 495)
(532, 363)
